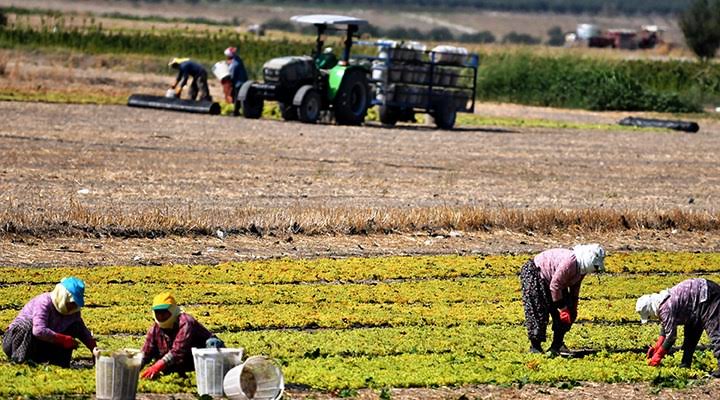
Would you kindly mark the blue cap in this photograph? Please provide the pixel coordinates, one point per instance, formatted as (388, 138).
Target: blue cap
(76, 287)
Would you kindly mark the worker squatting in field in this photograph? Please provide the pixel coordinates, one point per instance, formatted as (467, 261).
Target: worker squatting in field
(47, 326)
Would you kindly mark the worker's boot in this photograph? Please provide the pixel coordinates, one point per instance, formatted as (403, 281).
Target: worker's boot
(535, 346)
(557, 347)
(687, 359)
(716, 373)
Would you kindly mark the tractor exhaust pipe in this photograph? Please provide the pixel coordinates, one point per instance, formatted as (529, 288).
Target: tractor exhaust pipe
(169, 103)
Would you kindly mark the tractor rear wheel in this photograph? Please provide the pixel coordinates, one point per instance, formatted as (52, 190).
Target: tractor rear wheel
(389, 115)
(444, 113)
(309, 109)
(351, 100)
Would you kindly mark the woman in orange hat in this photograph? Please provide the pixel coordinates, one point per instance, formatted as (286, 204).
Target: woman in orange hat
(171, 338)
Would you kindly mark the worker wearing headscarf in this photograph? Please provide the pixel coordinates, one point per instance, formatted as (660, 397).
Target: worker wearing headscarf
(693, 303)
(171, 338)
(187, 68)
(47, 326)
(551, 287)
(238, 73)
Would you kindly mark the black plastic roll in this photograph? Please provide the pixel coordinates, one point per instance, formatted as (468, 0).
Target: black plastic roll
(684, 126)
(168, 103)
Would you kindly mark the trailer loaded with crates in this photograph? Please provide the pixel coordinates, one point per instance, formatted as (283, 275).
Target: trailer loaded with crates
(409, 79)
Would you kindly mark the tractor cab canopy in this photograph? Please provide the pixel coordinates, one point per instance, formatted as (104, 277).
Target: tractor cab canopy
(325, 22)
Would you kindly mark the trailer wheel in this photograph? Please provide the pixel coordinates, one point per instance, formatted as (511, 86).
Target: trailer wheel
(444, 113)
(389, 115)
(309, 109)
(252, 107)
(351, 101)
(288, 112)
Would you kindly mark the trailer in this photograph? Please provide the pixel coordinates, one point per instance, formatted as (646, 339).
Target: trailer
(408, 79)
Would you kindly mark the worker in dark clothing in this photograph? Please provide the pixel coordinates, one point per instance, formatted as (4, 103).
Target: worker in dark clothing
(693, 303)
(187, 68)
(238, 73)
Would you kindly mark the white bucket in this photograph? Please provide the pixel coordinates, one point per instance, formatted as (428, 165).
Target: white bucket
(258, 378)
(211, 365)
(116, 374)
(221, 70)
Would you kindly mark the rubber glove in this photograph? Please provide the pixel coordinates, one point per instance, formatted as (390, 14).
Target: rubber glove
(655, 347)
(657, 357)
(154, 369)
(565, 316)
(65, 341)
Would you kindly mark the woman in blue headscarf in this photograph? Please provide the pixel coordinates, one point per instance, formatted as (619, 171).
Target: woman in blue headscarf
(47, 326)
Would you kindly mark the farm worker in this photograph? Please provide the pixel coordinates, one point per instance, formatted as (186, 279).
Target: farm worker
(694, 303)
(551, 286)
(47, 326)
(238, 74)
(187, 68)
(171, 338)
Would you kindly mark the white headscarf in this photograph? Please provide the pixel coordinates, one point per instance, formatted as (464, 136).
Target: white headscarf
(590, 258)
(60, 298)
(648, 305)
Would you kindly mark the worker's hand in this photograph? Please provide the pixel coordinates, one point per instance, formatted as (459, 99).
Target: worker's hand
(154, 370)
(651, 351)
(657, 357)
(178, 91)
(65, 341)
(565, 316)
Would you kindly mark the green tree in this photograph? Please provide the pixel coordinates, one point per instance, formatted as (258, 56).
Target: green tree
(700, 25)
(556, 37)
(3, 18)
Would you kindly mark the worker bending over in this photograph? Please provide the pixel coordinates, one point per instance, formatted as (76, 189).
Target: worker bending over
(187, 68)
(693, 303)
(171, 338)
(47, 326)
(551, 286)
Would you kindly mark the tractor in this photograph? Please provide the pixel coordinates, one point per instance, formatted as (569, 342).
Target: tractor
(306, 86)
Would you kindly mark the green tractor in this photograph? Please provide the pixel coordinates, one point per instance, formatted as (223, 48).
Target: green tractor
(305, 87)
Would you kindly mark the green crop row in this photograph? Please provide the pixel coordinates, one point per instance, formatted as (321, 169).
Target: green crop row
(289, 271)
(598, 84)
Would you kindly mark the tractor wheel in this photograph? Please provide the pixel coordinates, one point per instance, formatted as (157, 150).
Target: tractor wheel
(288, 112)
(389, 115)
(252, 107)
(351, 100)
(444, 113)
(309, 109)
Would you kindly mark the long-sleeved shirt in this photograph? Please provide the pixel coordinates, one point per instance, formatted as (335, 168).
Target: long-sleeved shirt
(681, 307)
(47, 321)
(187, 69)
(175, 345)
(238, 73)
(559, 269)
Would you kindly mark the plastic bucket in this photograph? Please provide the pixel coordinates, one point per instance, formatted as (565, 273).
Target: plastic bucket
(211, 365)
(258, 378)
(116, 374)
(221, 70)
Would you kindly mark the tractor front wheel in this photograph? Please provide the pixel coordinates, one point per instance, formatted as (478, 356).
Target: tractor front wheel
(309, 109)
(351, 100)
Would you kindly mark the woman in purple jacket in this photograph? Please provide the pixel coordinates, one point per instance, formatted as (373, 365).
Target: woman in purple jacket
(551, 286)
(47, 326)
(694, 303)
